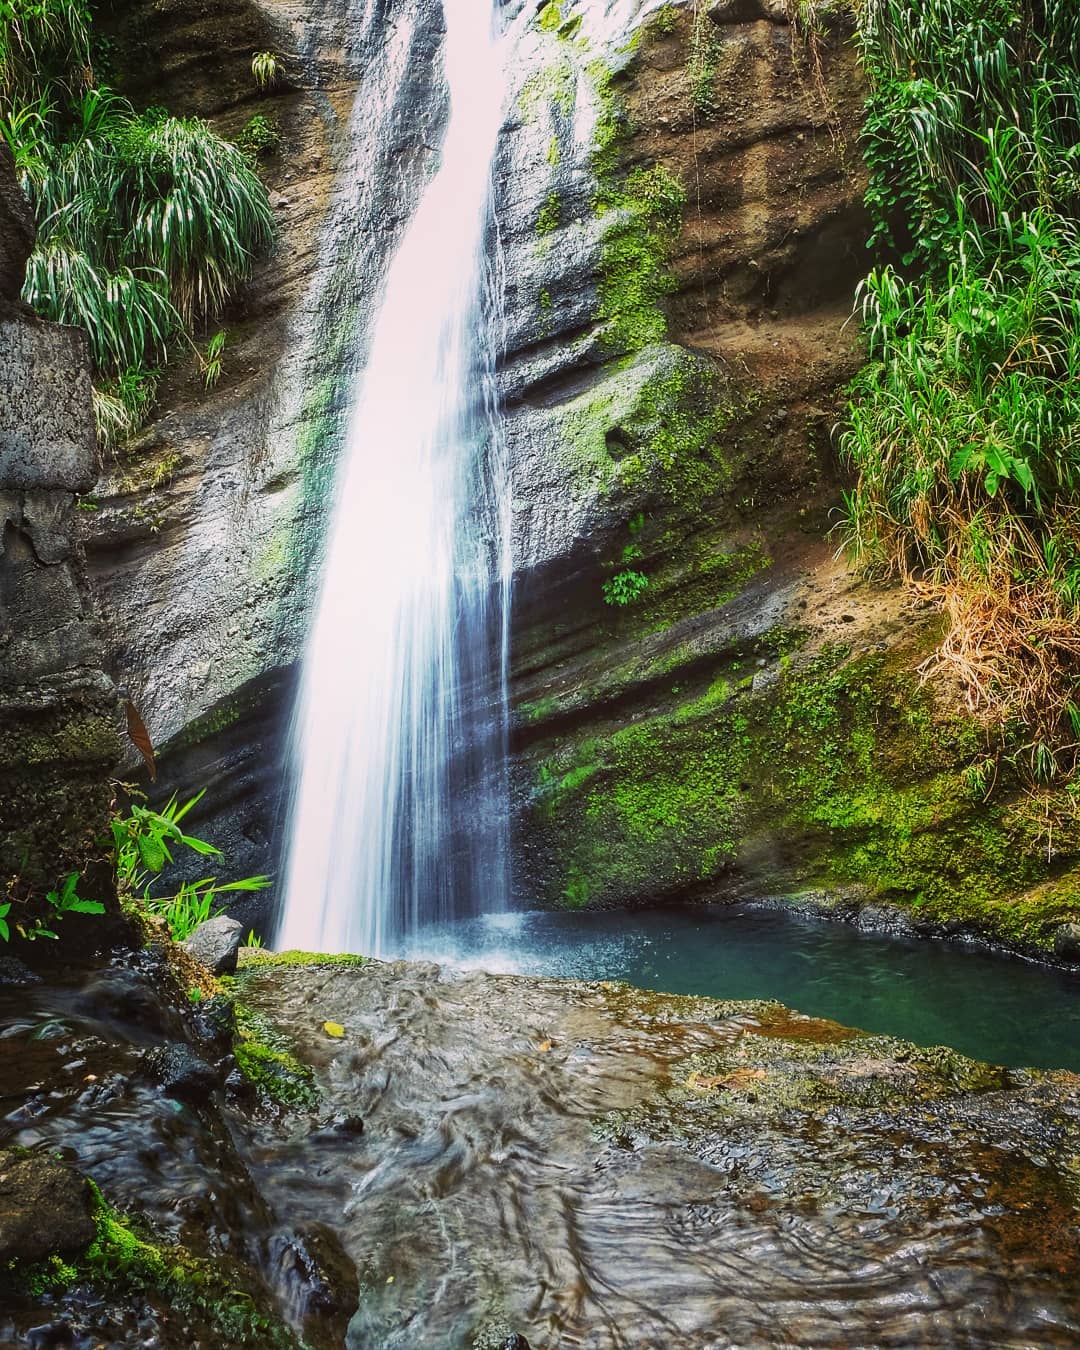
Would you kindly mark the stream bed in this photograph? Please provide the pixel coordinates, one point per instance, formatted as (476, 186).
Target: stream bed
(991, 1006)
(504, 1161)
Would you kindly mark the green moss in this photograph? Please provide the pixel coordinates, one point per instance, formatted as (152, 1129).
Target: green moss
(263, 1058)
(538, 709)
(703, 62)
(552, 87)
(642, 214)
(223, 715)
(643, 220)
(664, 22)
(659, 426)
(547, 222)
(65, 735)
(260, 959)
(550, 17)
(124, 1262)
(844, 764)
(551, 20)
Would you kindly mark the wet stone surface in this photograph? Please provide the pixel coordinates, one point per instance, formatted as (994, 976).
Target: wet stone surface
(588, 1165)
(505, 1161)
(104, 1074)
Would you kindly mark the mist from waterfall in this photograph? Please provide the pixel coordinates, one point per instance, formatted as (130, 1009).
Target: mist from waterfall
(397, 814)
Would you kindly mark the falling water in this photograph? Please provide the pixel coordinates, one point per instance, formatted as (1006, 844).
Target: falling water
(401, 714)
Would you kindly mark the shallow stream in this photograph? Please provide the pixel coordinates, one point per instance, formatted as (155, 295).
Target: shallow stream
(578, 1163)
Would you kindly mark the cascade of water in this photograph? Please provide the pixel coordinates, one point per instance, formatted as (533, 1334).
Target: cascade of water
(396, 815)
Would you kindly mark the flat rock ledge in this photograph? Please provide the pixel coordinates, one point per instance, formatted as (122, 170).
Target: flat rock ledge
(587, 1164)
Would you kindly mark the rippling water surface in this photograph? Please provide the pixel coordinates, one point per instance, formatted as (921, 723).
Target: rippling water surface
(991, 1007)
(583, 1164)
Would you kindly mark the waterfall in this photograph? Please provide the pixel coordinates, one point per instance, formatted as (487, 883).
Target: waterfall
(396, 815)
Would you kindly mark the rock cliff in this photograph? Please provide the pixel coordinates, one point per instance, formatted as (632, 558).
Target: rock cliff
(58, 708)
(705, 699)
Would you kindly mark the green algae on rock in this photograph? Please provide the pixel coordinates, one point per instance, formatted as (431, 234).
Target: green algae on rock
(115, 1262)
(837, 771)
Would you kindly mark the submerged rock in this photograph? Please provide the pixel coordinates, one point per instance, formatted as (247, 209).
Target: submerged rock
(14, 973)
(216, 943)
(184, 1075)
(584, 1163)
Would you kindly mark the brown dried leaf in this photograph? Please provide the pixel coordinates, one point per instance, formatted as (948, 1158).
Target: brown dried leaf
(140, 738)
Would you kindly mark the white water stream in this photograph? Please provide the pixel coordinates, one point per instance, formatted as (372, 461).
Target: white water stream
(397, 815)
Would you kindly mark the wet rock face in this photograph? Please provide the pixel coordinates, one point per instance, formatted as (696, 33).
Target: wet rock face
(588, 1164)
(620, 439)
(57, 707)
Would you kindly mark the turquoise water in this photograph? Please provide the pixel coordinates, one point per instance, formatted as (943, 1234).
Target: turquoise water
(992, 1007)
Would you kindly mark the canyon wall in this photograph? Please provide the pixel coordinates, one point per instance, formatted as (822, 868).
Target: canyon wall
(59, 713)
(705, 700)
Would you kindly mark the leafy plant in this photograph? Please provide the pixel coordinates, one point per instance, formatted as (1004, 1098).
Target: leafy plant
(212, 357)
(143, 842)
(259, 137)
(625, 587)
(64, 899)
(266, 69)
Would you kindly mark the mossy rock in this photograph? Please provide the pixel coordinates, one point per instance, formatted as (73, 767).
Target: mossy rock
(119, 1270)
(840, 772)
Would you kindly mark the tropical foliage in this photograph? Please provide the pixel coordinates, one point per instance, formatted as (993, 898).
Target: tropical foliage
(964, 427)
(146, 223)
(144, 841)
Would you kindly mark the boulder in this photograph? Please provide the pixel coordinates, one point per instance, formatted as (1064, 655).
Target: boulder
(1067, 942)
(215, 943)
(44, 1208)
(184, 1075)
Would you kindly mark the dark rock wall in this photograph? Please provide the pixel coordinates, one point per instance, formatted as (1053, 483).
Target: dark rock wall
(58, 709)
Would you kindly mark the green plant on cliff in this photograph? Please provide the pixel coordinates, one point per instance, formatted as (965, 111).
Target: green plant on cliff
(964, 427)
(143, 843)
(147, 223)
(266, 69)
(625, 587)
(41, 35)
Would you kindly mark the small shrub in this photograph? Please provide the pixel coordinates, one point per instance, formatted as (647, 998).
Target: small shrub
(625, 587)
(259, 137)
(266, 69)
